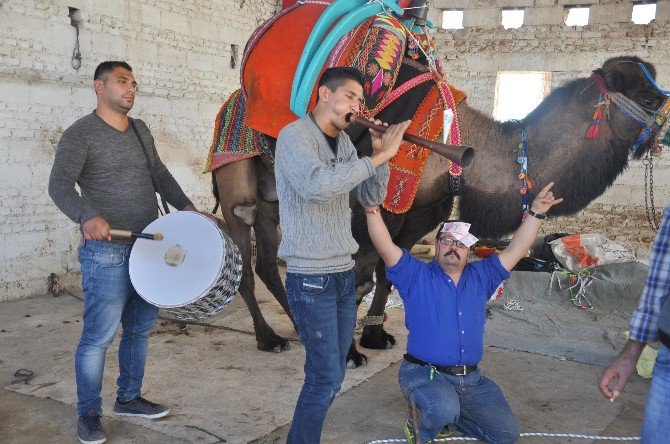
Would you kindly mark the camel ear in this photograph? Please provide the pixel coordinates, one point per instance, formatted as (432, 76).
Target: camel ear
(616, 81)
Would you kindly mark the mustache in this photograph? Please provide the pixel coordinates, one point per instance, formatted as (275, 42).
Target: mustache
(454, 252)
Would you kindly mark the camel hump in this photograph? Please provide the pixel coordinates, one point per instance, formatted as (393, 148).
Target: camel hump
(268, 71)
(376, 47)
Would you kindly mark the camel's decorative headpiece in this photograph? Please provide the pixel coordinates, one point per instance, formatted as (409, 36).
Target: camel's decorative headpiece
(651, 121)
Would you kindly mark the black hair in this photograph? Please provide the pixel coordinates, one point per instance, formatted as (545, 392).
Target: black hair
(106, 67)
(333, 78)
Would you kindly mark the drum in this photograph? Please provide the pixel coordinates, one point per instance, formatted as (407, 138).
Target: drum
(193, 273)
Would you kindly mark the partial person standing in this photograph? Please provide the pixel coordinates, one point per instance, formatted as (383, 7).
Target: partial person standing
(316, 168)
(104, 153)
(649, 323)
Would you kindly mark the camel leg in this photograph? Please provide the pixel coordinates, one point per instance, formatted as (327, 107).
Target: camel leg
(267, 243)
(366, 259)
(238, 190)
(374, 336)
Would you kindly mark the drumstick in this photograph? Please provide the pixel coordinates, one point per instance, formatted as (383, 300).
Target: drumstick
(127, 234)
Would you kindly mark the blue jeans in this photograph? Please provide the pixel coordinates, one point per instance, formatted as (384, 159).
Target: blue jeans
(324, 308)
(110, 299)
(656, 424)
(473, 403)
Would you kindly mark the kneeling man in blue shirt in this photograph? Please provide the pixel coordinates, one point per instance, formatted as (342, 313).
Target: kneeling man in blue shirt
(445, 310)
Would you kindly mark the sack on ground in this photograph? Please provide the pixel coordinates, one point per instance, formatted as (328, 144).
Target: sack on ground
(579, 251)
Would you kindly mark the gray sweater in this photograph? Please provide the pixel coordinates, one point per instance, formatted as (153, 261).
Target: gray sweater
(111, 170)
(313, 190)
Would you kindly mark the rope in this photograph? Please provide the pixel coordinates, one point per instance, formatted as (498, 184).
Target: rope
(649, 206)
(512, 305)
(183, 324)
(547, 435)
(576, 281)
(23, 375)
(652, 81)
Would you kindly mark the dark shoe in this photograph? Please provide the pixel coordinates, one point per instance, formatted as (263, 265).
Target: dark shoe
(89, 429)
(445, 433)
(140, 407)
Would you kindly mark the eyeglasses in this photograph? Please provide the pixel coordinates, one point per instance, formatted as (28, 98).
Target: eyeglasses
(449, 241)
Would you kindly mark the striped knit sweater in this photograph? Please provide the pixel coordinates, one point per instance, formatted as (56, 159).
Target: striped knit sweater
(313, 189)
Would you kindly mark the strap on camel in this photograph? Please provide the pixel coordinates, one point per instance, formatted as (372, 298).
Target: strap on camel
(651, 122)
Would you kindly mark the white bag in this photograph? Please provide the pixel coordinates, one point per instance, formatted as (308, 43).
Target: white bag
(579, 251)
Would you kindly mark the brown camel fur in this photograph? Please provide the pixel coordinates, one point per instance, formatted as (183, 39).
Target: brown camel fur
(557, 151)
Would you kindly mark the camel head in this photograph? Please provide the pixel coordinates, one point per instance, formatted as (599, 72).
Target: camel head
(558, 148)
(625, 75)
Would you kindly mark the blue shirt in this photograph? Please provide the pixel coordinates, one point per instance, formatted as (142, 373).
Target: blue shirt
(445, 321)
(643, 324)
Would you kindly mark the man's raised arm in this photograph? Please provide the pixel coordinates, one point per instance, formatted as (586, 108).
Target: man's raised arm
(525, 235)
(381, 238)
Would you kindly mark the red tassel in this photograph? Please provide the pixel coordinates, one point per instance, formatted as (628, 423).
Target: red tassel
(594, 130)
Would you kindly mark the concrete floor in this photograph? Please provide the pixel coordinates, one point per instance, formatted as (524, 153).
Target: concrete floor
(548, 394)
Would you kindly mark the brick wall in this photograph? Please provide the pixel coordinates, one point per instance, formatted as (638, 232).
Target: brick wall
(181, 56)
(476, 53)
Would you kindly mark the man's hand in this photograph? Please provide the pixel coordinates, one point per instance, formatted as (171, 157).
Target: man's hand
(386, 145)
(210, 216)
(545, 200)
(525, 235)
(96, 228)
(621, 368)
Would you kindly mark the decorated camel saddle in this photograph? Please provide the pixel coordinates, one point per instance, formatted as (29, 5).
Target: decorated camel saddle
(285, 57)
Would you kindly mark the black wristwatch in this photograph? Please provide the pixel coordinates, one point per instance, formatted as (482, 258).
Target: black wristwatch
(537, 215)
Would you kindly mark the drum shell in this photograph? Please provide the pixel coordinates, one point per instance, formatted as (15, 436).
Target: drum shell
(215, 296)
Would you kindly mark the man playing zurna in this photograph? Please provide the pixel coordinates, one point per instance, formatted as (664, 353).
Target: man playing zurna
(445, 311)
(316, 168)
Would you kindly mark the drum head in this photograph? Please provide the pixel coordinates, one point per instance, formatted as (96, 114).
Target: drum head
(184, 265)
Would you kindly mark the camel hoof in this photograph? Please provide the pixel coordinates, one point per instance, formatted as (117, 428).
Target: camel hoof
(356, 359)
(377, 339)
(274, 343)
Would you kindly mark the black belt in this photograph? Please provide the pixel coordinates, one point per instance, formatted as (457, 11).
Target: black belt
(456, 370)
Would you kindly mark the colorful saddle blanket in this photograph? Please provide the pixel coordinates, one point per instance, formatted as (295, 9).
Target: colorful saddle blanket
(233, 140)
(376, 47)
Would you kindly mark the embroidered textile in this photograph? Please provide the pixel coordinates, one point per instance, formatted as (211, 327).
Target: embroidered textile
(233, 140)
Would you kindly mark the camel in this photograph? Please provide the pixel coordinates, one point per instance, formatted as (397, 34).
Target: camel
(557, 150)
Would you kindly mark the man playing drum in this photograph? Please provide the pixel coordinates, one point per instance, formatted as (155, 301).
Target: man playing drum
(316, 168)
(103, 153)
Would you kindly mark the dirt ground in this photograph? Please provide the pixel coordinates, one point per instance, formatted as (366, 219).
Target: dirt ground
(250, 396)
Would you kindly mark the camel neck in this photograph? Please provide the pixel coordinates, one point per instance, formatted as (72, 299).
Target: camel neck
(557, 150)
